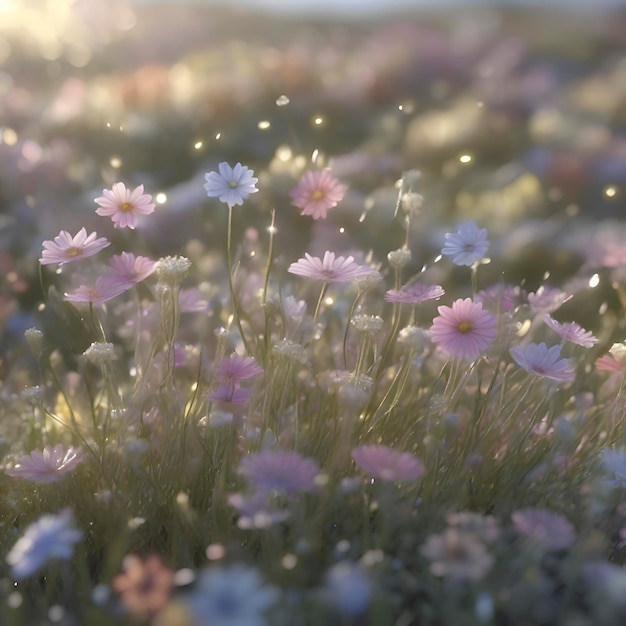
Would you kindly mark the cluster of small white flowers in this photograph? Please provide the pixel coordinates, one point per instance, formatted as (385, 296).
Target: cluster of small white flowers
(34, 338)
(414, 338)
(399, 258)
(367, 324)
(99, 353)
(171, 270)
(291, 350)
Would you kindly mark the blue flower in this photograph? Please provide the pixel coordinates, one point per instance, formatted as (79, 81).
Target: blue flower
(232, 185)
(468, 245)
(50, 537)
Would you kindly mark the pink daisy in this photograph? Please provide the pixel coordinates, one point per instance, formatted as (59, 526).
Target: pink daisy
(316, 193)
(386, 463)
(105, 289)
(415, 293)
(47, 466)
(66, 248)
(615, 360)
(237, 367)
(331, 269)
(124, 206)
(540, 360)
(465, 330)
(547, 299)
(572, 332)
(549, 530)
(280, 470)
(131, 269)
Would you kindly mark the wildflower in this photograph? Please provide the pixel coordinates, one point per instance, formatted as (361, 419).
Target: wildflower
(331, 269)
(171, 270)
(280, 470)
(145, 585)
(414, 338)
(230, 393)
(465, 330)
(191, 301)
(100, 353)
(614, 361)
(368, 281)
(34, 339)
(411, 203)
(367, 324)
(468, 245)
(547, 299)
(613, 462)
(232, 185)
(543, 361)
(316, 193)
(457, 555)
(548, 530)
(484, 527)
(348, 589)
(124, 206)
(105, 289)
(385, 463)
(47, 466)
(414, 294)
(50, 537)
(499, 297)
(290, 350)
(131, 269)
(231, 596)
(572, 332)
(295, 310)
(66, 248)
(237, 367)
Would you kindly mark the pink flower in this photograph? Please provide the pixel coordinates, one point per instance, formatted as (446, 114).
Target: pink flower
(571, 331)
(316, 193)
(499, 297)
(615, 360)
(191, 301)
(280, 470)
(547, 299)
(543, 361)
(47, 466)
(66, 248)
(237, 367)
(131, 269)
(105, 289)
(230, 393)
(415, 293)
(549, 530)
(331, 269)
(386, 463)
(124, 206)
(465, 330)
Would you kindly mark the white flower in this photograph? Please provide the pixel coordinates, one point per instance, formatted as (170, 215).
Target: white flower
(232, 185)
(468, 245)
(231, 596)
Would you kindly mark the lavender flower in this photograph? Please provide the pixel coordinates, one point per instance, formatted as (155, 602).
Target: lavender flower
(468, 245)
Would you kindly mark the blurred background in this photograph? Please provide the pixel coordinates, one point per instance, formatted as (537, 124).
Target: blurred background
(514, 112)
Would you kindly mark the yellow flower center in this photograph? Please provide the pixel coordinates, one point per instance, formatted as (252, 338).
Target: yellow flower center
(232, 184)
(72, 252)
(464, 327)
(318, 194)
(126, 206)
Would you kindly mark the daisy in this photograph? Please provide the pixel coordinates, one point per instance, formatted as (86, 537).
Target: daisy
(232, 185)
(50, 537)
(237, 367)
(316, 193)
(385, 463)
(105, 289)
(465, 330)
(124, 206)
(572, 332)
(468, 245)
(415, 293)
(66, 248)
(131, 269)
(48, 466)
(279, 470)
(543, 361)
(330, 269)
(547, 299)
(230, 393)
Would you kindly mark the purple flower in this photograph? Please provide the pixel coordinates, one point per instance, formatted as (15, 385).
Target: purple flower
(280, 470)
(415, 293)
(547, 529)
(131, 269)
(105, 289)
(66, 248)
(540, 360)
(547, 299)
(570, 331)
(48, 466)
(386, 463)
(232, 185)
(256, 510)
(316, 193)
(237, 367)
(50, 537)
(468, 245)
(465, 330)
(230, 393)
(123, 206)
(330, 269)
